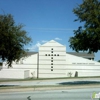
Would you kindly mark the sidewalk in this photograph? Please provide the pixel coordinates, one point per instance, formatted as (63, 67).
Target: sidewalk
(46, 82)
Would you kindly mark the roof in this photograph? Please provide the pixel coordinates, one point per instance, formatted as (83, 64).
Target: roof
(31, 53)
(52, 43)
(82, 54)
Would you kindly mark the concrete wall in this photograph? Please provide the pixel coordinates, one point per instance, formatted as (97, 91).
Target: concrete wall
(52, 60)
(84, 67)
(14, 74)
(28, 63)
(31, 68)
(83, 70)
(71, 59)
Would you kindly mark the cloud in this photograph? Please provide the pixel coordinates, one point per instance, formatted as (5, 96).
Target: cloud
(38, 44)
(57, 38)
(35, 47)
(44, 41)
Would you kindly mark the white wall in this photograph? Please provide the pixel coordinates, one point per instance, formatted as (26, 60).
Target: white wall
(31, 68)
(26, 73)
(62, 64)
(29, 63)
(14, 74)
(31, 59)
(83, 70)
(83, 66)
(49, 67)
(71, 59)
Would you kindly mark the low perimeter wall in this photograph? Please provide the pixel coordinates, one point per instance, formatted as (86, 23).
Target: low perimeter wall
(82, 70)
(14, 74)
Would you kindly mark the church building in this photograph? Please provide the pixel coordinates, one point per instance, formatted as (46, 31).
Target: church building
(52, 61)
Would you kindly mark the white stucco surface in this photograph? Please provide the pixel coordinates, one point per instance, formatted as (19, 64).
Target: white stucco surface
(51, 61)
(14, 73)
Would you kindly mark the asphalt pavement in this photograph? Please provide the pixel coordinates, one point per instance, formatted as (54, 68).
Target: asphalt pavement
(72, 94)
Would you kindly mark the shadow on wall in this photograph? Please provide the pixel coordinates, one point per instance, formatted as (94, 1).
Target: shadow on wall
(1, 65)
(69, 74)
(76, 74)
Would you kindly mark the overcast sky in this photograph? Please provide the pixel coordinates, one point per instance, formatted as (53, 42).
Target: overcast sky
(44, 20)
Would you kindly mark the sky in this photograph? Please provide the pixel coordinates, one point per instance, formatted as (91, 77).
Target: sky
(45, 20)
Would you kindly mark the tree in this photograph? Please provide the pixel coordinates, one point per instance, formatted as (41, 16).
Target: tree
(12, 39)
(87, 37)
(98, 60)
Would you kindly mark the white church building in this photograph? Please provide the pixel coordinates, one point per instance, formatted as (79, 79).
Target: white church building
(52, 61)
